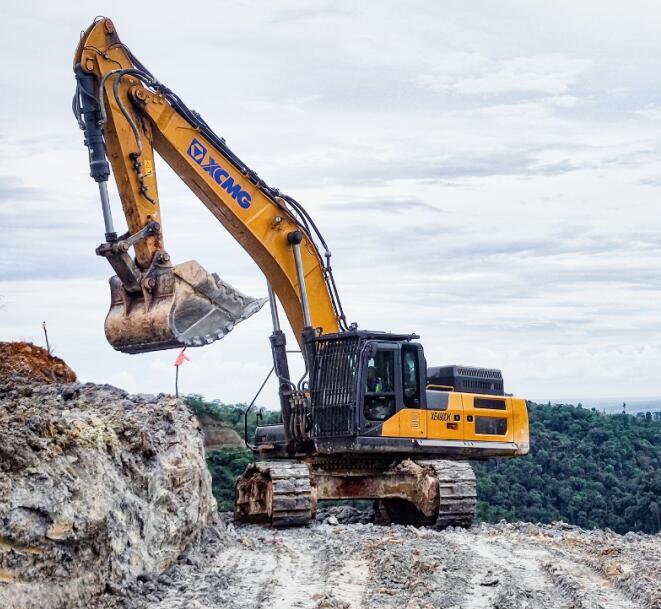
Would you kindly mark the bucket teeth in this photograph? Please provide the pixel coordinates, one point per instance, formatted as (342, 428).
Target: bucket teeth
(188, 307)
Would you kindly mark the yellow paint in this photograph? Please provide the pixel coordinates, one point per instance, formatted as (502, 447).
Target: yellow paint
(261, 229)
(520, 426)
(470, 410)
(407, 423)
(440, 424)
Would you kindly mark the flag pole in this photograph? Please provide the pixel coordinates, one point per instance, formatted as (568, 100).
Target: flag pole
(43, 325)
(181, 358)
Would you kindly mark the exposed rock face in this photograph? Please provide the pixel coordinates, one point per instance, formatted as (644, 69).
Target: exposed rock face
(29, 362)
(217, 434)
(97, 487)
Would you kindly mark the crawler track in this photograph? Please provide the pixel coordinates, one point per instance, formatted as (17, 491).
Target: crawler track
(283, 493)
(457, 493)
(457, 498)
(279, 493)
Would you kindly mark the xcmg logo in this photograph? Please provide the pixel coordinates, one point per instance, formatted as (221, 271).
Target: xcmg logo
(198, 152)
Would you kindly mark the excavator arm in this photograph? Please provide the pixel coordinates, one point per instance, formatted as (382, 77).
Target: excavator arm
(128, 115)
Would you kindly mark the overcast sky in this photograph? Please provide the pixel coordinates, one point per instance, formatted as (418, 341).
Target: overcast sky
(487, 175)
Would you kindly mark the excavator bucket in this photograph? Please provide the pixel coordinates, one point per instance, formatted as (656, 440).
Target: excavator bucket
(178, 306)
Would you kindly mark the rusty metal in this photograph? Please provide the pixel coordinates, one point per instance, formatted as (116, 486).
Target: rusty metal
(457, 492)
(177, 306)
(279, 493)
(434, 493)
(407, 481)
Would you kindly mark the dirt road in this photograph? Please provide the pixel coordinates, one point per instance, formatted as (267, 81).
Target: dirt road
(506, 566)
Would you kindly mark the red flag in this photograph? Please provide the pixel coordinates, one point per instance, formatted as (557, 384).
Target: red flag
(181, 358)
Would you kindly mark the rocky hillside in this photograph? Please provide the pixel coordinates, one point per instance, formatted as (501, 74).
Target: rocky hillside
(97, 487)
(105, 503)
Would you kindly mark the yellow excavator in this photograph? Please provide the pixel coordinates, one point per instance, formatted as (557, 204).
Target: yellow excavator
(369, 420)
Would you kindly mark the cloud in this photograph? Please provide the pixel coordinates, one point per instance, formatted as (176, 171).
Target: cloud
(472, 74)
(297, 14)
(489, 184)
(12, 189)
(386, 206)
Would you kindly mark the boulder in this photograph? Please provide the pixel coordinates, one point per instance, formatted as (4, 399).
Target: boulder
(97, 488)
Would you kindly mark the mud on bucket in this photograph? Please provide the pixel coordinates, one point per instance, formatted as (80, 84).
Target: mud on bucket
(184, 306)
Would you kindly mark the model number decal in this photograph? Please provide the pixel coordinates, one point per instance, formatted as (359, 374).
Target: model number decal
(441, 416)
(198, 152)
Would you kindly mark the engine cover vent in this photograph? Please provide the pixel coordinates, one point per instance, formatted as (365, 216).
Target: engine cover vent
(488, 381)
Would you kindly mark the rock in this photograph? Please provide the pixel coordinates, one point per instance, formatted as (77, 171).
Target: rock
(70, 391)
(34, 423)
(345, 514)
(332, 520)
(95, 490)
(218, 434)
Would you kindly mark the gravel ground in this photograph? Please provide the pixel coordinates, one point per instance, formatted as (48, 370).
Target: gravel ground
(342, 566)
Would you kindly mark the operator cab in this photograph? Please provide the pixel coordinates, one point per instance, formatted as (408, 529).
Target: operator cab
(372, 392)
(358, 379)
(392, 379)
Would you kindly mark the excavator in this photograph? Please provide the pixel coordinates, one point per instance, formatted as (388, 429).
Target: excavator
(369, 420)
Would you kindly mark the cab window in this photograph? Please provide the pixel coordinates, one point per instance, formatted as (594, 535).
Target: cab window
(410, 376)
(380, 386)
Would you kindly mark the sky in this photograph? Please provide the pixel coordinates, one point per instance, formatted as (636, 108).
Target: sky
(487, 175)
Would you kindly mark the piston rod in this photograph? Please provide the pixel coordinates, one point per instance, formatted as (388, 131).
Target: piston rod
(295, 238)
(274, 308)
(105, 208)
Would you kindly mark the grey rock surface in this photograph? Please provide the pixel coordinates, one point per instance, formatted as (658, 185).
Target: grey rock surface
(366, 566)
(97, 488)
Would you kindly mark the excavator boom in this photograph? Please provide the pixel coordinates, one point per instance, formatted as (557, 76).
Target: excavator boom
(156, 306)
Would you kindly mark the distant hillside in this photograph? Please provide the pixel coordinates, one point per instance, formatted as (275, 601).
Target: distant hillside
(585, 468)
(227, 456)
(613, 405)
(588, 469)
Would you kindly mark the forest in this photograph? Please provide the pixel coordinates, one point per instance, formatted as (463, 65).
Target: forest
(584, 467)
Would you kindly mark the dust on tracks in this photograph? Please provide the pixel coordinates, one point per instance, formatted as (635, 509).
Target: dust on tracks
(506, 566)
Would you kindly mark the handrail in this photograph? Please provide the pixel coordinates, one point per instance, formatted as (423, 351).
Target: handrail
(440, 387)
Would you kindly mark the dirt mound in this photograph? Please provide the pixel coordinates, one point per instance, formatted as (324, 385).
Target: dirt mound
(33, 363)
(97, 488)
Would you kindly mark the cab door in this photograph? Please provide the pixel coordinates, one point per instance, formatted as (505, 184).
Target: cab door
(399, 403)
(488, 418)
(381, 384)
(412, 413)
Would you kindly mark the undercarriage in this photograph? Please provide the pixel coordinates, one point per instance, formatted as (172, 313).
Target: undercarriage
(436, 493)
